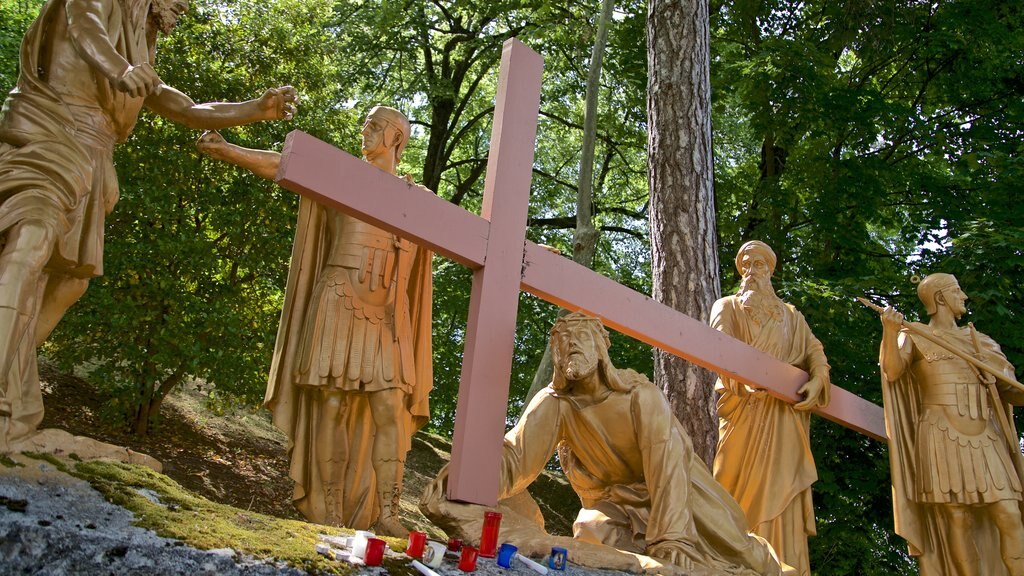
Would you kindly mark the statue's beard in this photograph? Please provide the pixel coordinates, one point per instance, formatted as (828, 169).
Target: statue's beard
(162, 16)
(758, 296)
(579, 366)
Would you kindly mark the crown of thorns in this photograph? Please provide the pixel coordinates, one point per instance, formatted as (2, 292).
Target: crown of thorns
(574, 319)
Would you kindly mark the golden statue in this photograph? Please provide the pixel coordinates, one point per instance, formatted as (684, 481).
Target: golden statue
(352, 370)
(955, 455)
(86, 72)
(764, 452)
(645, 494)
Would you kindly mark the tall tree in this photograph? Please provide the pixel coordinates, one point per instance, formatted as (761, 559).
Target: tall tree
(436, 61)
(682, 214)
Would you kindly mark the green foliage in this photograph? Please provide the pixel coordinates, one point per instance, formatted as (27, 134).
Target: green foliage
(197, 252)
(7, 462)
(15, 17)
(439, 63)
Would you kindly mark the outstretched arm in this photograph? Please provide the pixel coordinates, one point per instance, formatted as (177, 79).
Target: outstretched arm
(263, 163)
(529, 444)
(275, 104)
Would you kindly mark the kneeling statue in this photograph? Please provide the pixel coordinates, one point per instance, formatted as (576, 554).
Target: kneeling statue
(648, 501)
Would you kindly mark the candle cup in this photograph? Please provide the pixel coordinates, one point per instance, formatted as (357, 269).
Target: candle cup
(489, 534)
(359, 543)
(374, 552)
(557, 559)
(454, 546)
(506, 554)
(467, 563)
(433, 554)
(417, 540)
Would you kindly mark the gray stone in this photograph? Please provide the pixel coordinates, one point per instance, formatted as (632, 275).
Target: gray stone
(67, 528)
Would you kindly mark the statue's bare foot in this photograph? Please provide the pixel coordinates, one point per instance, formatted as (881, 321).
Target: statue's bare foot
(390, 526)
(212, 144)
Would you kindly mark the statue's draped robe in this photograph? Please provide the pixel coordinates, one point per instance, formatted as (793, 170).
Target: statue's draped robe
(637, 476)
(56, 167)
(933, 463)
(764, 455)
(296, 390)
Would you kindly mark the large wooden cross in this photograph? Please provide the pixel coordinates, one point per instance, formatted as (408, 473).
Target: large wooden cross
(503, 262)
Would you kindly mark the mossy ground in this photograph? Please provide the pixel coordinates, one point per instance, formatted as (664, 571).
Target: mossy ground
(50, 458)
(227, 473)
(8, 462)
(200, 523)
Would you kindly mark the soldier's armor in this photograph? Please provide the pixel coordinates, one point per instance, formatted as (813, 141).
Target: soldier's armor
(962, 456)
(350, 343)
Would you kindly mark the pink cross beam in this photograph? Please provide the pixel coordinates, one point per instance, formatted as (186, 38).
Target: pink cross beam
(503, 262)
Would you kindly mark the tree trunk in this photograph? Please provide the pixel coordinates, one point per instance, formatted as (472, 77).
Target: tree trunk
(140, 426)
(679, 166)
(153, 396)
(584, 239)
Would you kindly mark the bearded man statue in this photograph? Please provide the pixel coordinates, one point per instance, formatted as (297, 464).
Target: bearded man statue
(764, 450)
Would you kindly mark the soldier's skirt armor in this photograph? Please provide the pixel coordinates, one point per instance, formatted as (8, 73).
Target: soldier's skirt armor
(350, 343)
(962, 457)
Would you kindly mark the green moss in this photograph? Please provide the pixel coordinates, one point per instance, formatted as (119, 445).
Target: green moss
(9, 463)
(207, 525)
(54, 460)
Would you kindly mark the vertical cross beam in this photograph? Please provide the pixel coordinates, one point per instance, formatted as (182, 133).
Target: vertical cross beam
(494, 300)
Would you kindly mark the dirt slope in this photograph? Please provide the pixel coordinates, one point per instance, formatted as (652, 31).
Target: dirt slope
(239, 458)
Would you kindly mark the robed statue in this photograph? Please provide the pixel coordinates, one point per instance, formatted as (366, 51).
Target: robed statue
(764, 446)
(352, 371)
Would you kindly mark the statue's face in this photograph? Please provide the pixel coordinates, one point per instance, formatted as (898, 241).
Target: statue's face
(375, 133)
(756, 271)
(575, 350)
(956, 300)
(755, 264)
(165, 13)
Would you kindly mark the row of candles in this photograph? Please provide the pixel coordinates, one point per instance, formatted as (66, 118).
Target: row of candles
(432, 553)
(367, 549)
